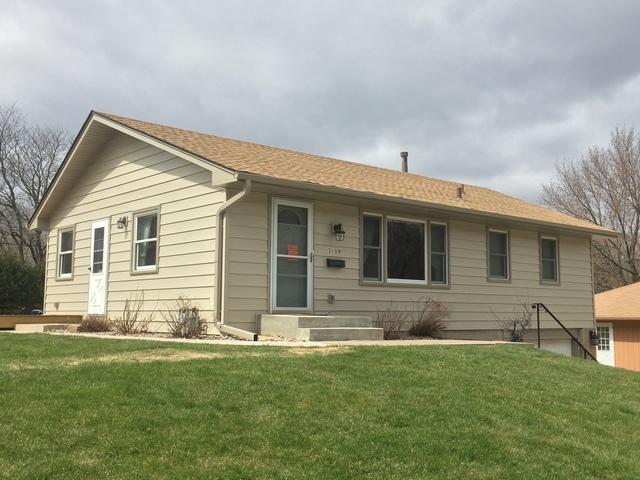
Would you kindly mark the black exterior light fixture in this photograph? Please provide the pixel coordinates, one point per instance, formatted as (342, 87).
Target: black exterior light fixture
(122, 223)
(338, 231)
(593, 338)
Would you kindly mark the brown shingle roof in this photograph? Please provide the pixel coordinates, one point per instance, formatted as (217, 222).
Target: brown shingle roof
(241, 156)
(619, 304)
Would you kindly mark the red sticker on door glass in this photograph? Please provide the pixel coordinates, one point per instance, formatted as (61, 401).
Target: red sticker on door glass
(292, 249)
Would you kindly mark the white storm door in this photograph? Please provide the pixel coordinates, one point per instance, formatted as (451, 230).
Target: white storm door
(98, 267)
(291, 255)
(605, 352)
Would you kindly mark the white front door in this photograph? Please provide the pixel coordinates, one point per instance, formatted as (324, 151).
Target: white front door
(605, 352)
(291, 255)
(98, 267)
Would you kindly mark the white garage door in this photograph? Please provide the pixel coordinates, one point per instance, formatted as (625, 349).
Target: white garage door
(558, 346)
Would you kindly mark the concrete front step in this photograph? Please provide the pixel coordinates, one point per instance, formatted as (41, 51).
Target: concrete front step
(336, 334)
(45, 327)
(319, 327)
(326, 321)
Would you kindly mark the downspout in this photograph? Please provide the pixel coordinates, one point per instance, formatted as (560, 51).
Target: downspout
(221, 221)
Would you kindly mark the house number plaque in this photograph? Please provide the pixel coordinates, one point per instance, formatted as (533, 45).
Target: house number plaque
(333, 251)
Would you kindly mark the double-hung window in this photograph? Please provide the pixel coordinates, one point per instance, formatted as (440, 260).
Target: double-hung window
(146, 241)
(438, 248)
(549, 259)
(65, 253)
(405, 250)
(372, 248)
(498, 252)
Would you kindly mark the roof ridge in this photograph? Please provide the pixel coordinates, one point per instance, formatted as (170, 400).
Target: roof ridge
(298, 152)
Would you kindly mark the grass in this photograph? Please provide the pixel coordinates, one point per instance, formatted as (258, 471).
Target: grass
(90, 408)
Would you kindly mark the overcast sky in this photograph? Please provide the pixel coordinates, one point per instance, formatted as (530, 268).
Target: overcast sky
(491, 93)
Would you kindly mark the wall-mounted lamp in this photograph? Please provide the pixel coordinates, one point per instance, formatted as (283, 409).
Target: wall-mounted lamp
(338, 231)
(122, 223)
(593, 338)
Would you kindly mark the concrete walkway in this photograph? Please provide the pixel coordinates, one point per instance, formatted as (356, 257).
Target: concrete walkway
(283, 343)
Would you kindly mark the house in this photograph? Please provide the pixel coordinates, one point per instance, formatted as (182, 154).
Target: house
(249, 231)
(618, 323)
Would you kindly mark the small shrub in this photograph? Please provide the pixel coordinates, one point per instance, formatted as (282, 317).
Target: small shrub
(94, 323)
(517, 326)
(429, 318)
(183, 319)
(391, 321)
(133, 320)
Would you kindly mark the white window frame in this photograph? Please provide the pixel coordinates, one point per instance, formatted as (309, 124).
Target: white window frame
(557, 260)
(507, 255)
(380, 280)
(425, 224)
(65, 252)
(136, 242)
(446, 254)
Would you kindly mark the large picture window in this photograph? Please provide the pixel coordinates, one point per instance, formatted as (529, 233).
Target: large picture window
(146, 241)
(549, 259)
(399, 250)
(405, 250)
(498, 254)
(65, 253)
(372, 248)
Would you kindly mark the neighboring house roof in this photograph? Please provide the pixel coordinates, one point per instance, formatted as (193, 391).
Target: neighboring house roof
(619, 304)
(250, 159)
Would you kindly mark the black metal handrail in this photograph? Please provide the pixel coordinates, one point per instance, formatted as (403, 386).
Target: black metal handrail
(585, 353)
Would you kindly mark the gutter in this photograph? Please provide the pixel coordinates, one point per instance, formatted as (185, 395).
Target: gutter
(220, 225)
(598, 232)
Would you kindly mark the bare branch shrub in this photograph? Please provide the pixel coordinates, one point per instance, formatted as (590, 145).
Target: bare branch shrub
(133, 320)
(391, 321)
(429, 318)
(94, 323)
(517, 326)
(183, 319)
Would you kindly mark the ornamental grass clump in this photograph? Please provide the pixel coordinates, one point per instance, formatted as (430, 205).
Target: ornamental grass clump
(94, 323)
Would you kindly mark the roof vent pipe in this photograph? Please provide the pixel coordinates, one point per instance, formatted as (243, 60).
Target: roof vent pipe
(461, 191)
(405, 161)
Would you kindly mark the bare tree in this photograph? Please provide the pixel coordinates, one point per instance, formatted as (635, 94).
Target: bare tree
(603, 186)
(29, 158)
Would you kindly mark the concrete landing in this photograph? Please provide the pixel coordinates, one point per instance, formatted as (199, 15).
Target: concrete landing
(45, 327)
(320, 328)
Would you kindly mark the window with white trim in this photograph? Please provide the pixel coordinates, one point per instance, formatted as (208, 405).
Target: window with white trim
(438, 252)
(405, 250)
(498, 251)
(65, 253)
(372, 248)
(549, 259)
(146, 241)
(604, 340)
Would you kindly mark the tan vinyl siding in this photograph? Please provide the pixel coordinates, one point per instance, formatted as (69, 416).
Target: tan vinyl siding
(474, 302)
(247, 257)
(126, 177)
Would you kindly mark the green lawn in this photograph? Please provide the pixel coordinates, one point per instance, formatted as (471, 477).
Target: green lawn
(90, 408)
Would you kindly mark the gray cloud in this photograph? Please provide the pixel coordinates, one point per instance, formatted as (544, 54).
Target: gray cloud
(491, 93)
